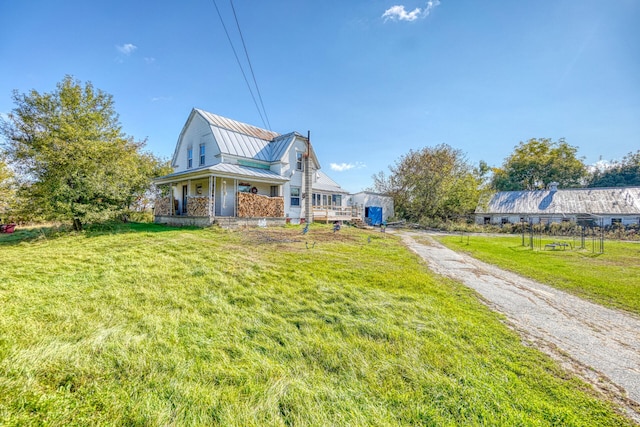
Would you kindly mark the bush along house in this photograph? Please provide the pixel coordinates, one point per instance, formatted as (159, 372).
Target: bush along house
(232, 173)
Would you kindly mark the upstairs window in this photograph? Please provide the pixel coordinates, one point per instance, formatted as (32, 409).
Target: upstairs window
(299, 161)
(189, 157)
(201, 154)
(295, 196)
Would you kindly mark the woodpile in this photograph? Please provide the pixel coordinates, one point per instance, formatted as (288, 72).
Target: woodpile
(258, 206)
(198, 205)
(162, 206)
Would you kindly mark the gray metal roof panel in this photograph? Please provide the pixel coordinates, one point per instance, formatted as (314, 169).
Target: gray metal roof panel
(230, 170)
(246, 171)
(324, 183)
(596, 201)
(235, 126)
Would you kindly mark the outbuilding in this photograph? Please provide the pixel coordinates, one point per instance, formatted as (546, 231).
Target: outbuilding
(375, 207)
(605, 206)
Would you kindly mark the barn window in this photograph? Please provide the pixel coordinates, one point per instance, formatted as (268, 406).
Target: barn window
(487, 220)
(201, 154)
(615, 221)
(295, 196)
(504, 220)
(189, 157)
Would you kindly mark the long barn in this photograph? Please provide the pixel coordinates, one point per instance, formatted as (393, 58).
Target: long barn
(606, 206)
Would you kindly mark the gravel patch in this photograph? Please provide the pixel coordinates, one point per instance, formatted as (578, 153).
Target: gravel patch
(599, 344)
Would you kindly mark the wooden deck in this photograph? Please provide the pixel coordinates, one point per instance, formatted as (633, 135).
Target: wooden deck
(329, 214)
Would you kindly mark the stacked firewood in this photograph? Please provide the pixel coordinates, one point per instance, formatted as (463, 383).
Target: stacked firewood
(258, 206)
(162, 206)
(198, 205)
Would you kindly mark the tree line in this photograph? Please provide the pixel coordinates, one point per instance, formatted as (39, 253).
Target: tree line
(64, 157)
(436, 184)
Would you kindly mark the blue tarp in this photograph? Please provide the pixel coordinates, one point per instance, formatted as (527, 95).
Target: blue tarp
(374, 214)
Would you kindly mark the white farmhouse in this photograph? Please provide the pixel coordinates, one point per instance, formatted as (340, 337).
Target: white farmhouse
(230, 172)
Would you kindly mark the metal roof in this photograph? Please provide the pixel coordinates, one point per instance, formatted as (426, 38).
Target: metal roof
(238, 127)
(594, 201)
(243, 140)
(324, 183)
(225, 170)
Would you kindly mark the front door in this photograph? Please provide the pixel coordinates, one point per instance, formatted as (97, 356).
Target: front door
(185, 191)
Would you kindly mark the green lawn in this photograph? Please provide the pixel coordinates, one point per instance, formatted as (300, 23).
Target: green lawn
(147, 325)
(611, 278)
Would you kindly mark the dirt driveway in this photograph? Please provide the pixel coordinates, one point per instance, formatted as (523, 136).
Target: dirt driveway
(599, 344)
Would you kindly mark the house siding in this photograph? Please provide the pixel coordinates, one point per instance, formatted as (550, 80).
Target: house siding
(195, 133)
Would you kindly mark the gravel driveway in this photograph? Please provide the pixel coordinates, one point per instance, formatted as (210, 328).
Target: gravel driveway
(601, 345)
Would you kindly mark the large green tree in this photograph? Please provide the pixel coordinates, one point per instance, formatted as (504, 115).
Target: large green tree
(625, 173)
(431, 183)
(538, 162)
(75, 162)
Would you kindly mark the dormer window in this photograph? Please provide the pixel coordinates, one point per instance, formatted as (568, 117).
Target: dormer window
(189, 158)
(201, 154)
(299, 161)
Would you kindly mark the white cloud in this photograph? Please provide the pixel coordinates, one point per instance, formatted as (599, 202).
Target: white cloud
(341, 167)
(160, 98)
(149, 60)
(399, 13)
(127, 48)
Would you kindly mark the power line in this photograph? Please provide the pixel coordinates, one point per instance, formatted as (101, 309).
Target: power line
(250, 66)
(239, 64)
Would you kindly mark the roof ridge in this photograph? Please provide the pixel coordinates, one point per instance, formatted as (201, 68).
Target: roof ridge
(237, 126)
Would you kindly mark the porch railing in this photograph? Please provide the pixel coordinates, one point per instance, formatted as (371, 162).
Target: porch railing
(336, 213)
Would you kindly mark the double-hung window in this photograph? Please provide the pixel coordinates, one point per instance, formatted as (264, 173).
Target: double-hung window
(299, 160)
(189, 158)
(295, 196)
(201, 154)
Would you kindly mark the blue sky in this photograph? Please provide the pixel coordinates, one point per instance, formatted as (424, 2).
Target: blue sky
(370, 79)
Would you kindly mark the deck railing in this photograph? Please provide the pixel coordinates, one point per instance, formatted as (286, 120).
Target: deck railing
(336, 213)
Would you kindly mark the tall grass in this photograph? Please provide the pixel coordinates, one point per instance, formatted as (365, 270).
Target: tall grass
(148, 325)
(611, 278)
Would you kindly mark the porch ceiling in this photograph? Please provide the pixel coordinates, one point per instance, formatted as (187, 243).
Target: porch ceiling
(224, 170)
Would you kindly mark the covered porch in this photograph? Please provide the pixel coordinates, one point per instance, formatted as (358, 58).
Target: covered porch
(218, 194)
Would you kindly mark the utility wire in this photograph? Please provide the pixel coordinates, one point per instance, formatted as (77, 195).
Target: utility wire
(250, 66)
(239, 64)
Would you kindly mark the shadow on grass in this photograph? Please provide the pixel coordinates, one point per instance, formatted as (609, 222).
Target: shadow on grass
(29, 234)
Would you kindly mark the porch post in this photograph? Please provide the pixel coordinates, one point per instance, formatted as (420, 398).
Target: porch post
(171, 209)
(235, 195)
(186, 208)
(210, 195)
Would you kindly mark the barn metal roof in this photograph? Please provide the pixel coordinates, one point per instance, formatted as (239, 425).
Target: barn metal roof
(593, 201)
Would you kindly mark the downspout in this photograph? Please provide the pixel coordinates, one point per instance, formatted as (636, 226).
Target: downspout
(308, 213)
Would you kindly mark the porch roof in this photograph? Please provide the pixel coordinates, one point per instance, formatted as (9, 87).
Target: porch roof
(224, 170)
